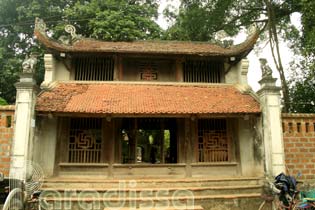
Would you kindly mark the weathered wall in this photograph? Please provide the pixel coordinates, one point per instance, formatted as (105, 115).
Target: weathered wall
(6, 136)
(298, 133)
(164, 69)
(250, 147)
(45, 142)
(299, 144)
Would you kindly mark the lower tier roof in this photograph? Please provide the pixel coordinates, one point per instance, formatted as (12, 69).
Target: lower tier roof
(145, 99)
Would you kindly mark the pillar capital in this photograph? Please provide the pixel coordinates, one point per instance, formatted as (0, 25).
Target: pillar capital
(268, 85)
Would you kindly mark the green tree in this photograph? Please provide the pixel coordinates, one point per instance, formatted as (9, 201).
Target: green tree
(115, 20)
(302, 84)
(302, 91)
(308, 30)
(16, 37)
(199, 20)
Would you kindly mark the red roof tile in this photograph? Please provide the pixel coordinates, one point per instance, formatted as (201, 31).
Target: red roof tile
(149, 99)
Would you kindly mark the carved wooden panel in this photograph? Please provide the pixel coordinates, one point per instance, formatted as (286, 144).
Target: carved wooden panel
(148, 71)
(85, 140)
(213, 141)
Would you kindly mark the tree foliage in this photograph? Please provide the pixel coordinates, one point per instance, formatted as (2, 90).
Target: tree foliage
(308, 29)
(114, 20)
(302, 84)
(3, 102)
(199, 20)
(302, 89)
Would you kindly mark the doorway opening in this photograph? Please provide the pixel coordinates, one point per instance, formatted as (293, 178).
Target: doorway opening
(149, 141)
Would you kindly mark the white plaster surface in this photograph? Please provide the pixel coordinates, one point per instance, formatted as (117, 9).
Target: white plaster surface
(277, 159)
(272, 130)
(23, 96)
(273, 100)
(62, 72)
(232, 77)
(21, 133)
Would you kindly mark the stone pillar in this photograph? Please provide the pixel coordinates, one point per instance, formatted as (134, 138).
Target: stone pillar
(24, 124)
(271, 122)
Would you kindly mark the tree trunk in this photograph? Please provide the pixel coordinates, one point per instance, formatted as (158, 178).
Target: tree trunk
(274, 44)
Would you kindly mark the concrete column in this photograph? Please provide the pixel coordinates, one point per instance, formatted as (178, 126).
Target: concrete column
(271, 123)
(24, 125)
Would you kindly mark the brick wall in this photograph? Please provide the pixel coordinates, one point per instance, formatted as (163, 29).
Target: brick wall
(299, 143)
(6, 136)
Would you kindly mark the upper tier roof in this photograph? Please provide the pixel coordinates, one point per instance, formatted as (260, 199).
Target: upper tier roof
(84, 45)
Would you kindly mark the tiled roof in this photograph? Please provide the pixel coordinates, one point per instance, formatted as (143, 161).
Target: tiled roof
(147, 99)
(84, 45)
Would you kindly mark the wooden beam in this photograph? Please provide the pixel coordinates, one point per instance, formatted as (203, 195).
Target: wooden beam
(179, 69)
(188, 147)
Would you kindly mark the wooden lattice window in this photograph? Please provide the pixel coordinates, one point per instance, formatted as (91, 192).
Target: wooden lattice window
(202, 71)
(85, 140)
(94, 68)
(213, 141)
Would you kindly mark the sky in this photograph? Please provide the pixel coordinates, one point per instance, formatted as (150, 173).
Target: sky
(254, 72)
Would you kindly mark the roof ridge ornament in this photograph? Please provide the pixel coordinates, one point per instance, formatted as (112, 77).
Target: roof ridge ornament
(70, 29)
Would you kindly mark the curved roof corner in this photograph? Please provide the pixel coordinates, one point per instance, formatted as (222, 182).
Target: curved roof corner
(84, 45)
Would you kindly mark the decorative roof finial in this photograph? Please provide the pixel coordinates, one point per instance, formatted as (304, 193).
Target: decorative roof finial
(70, 29)
(265, 68)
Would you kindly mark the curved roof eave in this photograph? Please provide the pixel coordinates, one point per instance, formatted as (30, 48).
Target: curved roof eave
(84, 45)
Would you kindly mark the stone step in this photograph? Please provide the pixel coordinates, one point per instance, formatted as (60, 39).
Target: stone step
(206, 192)
(82, 182)
(161, 208)
(152, 191)
(234, 201)
(156, 198)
